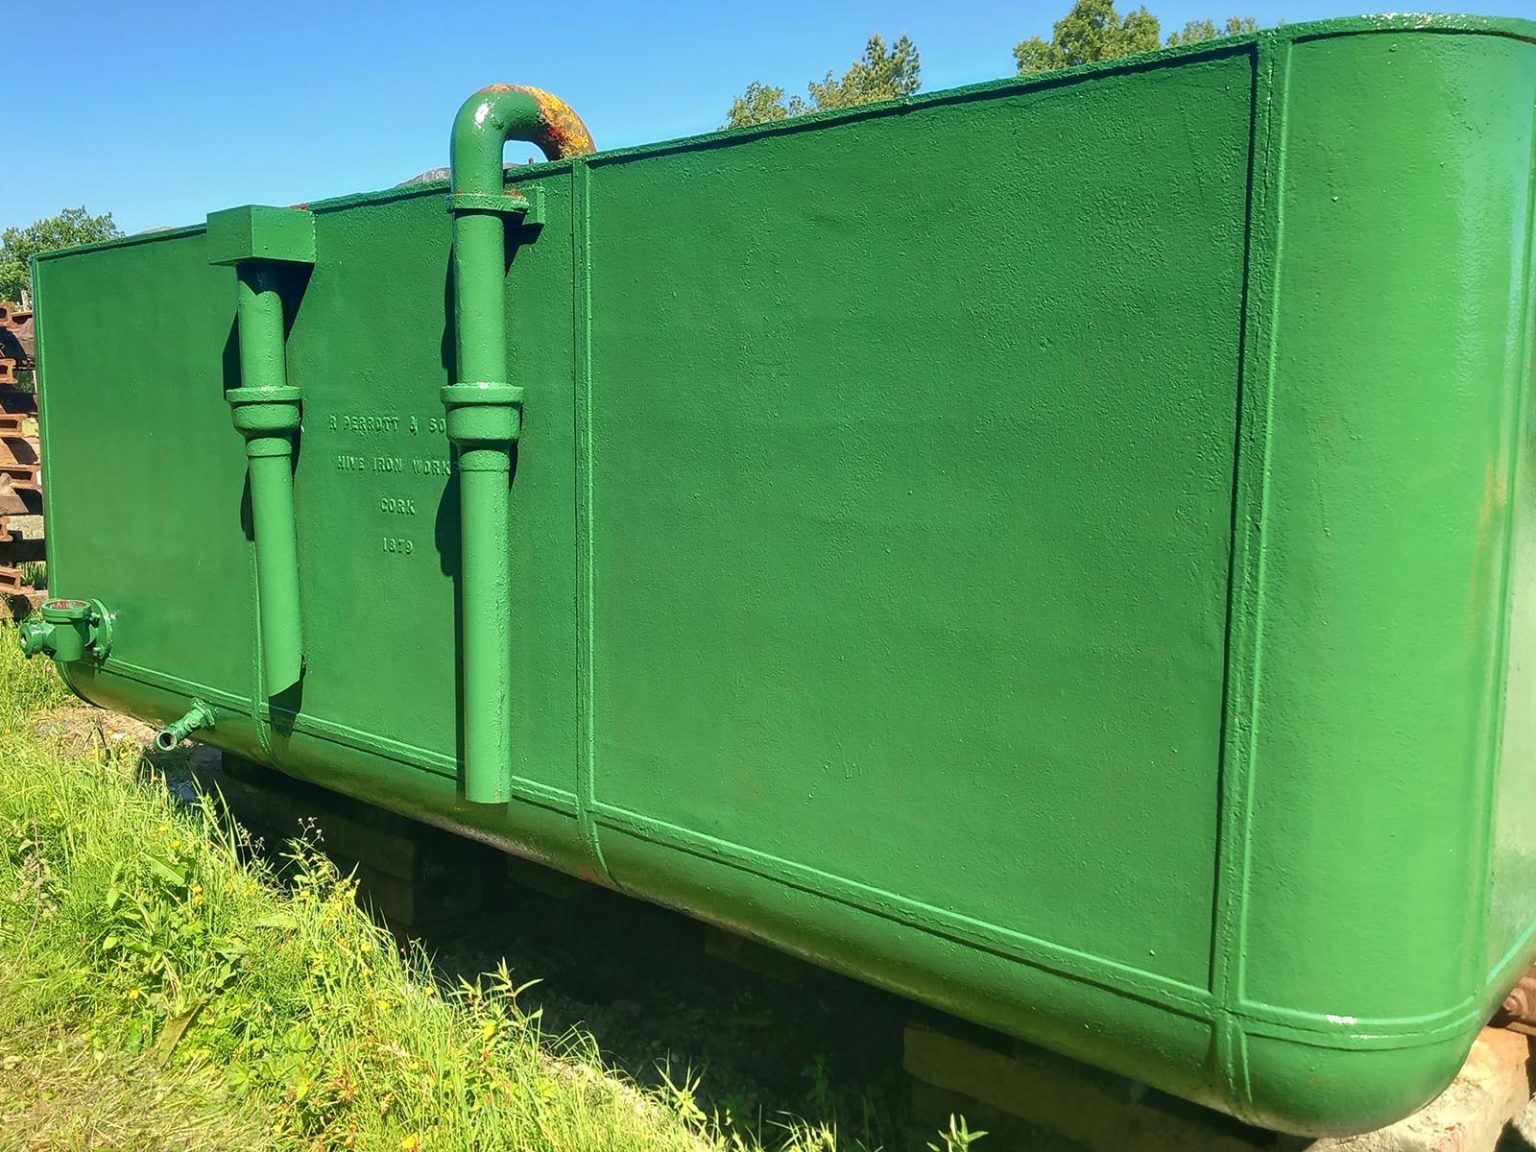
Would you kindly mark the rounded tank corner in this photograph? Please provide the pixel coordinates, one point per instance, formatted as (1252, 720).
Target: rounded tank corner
(77, 679)
(1316, 1090)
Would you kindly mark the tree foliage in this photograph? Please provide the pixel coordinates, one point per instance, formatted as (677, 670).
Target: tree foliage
(70, 227)
(1094, 30)
(880, 74)
(884, 72)
(759, 104)
(1197, 31)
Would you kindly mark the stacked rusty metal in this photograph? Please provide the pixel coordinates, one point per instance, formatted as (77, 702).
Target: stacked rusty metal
(1519, 1009)
(21, 491)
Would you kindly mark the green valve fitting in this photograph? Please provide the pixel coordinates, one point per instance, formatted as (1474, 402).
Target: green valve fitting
(69, 631)
(200, 715)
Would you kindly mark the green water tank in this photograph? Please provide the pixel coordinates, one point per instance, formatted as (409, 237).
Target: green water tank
(1063, 549)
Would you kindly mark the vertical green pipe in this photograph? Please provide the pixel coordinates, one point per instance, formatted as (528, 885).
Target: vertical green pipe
(484, 436)
(485, 410)
(277, 560)
(266, 412)
(484, 475)
(259, 242)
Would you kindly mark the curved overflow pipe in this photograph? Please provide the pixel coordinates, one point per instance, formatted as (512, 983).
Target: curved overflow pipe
(484, 409)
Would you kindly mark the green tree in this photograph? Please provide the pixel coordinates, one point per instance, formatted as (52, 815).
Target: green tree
(70, 227)
(884, 72)
(760, 104)
(1198, 31)
(1092, 30)
(880, 74)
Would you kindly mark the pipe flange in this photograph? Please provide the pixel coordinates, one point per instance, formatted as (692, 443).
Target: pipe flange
(258, 412)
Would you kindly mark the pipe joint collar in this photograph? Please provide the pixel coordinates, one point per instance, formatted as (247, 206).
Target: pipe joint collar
(264, 411)
(483, 413)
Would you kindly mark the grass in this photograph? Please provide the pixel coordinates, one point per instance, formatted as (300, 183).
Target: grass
(165, 990)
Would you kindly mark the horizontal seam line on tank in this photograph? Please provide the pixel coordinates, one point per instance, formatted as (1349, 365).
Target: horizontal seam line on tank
(1427, 29)
(1122, 980)
(407, 754)
(1318, 1030)
(1515, 959)
(1378, 1031)
(115, 667)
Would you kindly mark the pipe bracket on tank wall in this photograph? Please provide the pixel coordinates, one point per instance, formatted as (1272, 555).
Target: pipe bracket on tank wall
(484, 409)
(525, 208)
(264, 245)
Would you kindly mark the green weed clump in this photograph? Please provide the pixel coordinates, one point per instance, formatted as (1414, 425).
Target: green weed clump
(27, 687)
(165, 990)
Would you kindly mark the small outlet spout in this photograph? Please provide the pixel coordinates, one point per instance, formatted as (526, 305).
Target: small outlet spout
(36, 636)
(199, 716)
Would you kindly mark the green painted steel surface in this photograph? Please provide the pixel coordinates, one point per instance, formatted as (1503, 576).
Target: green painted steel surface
(1061, 549)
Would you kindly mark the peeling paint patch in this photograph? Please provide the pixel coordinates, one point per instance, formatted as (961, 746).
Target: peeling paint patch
(567, 135)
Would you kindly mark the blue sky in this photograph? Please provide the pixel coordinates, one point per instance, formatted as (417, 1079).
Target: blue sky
(160, 112)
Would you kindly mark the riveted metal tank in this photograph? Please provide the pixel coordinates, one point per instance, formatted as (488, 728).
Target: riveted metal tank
(1063, 549)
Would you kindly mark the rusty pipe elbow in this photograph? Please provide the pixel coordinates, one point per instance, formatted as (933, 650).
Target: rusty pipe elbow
(503, 112)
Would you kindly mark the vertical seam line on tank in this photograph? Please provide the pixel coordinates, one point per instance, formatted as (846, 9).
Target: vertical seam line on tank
(1492, 753)
(1245, 606)
(581, 276)
(49, 537)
